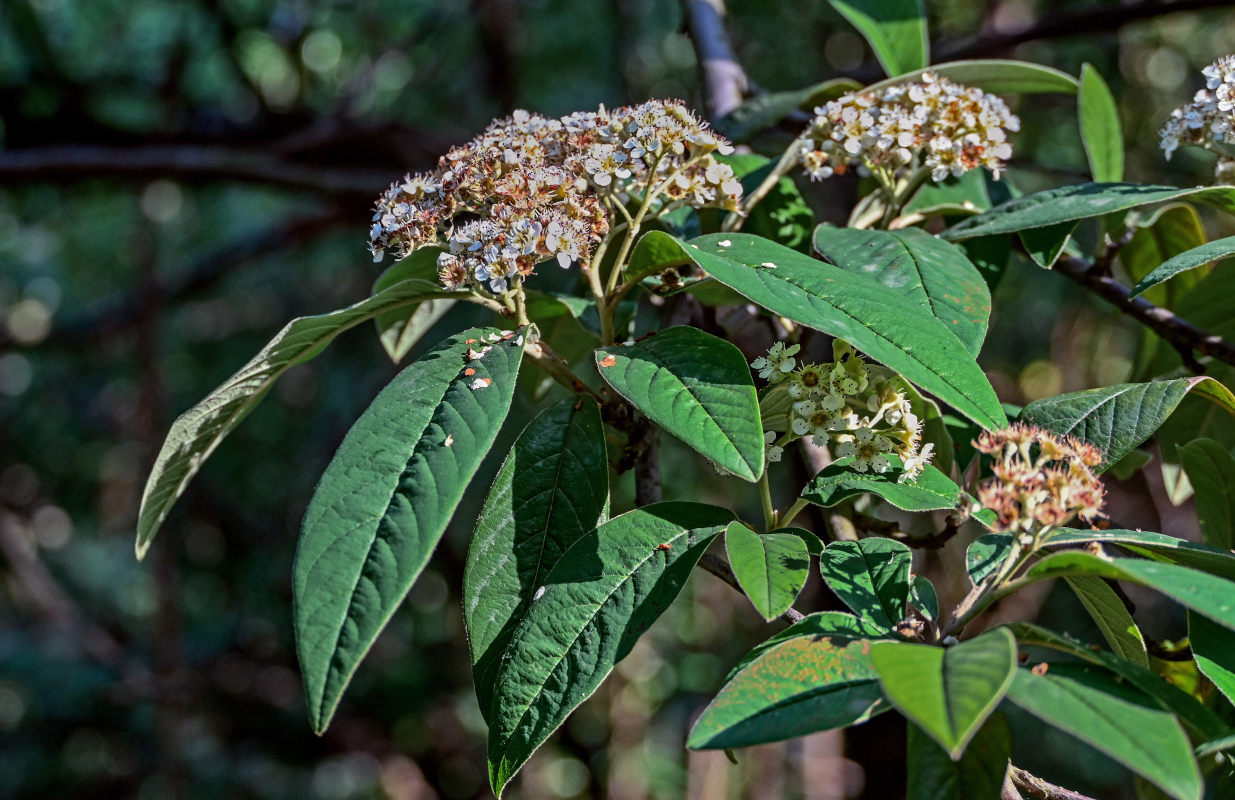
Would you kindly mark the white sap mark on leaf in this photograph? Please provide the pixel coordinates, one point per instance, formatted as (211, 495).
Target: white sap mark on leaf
(725, 243)
(769, 265)
(539, 593)
(480, 383)
(450, 439)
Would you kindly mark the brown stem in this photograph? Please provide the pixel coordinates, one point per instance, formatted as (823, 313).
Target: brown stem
(1186, 337)
(1036, 787)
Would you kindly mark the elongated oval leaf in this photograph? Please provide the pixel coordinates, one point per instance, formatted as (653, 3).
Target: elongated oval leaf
(1116, 419)
(603, 593)
(822, 623)
(1211, 469)
(929, 271)
(1191, 259)
(385, 499)
(978, 775)
(1206, 594)
(1046, 245)
(839, 481)
(1214, 649)
(698, 388)
(1145, 740)
(1112, 617)
(947, 691)
(771, 568)
(552, 489)
(986, 554)
(849, 307)
(1081, 201)
(197, 432)
(924, 598)
(871, 576)
(895, 30)
(1101, 133)
(1156, 546)
(1187, 708)
(1169, 231)
(995, 75)
(800, 685)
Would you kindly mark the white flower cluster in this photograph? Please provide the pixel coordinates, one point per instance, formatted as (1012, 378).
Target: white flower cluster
(536, 189)
(1209, 120)
(857, 407)
(932, 124)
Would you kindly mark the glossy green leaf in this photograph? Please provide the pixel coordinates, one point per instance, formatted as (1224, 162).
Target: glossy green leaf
(799, 685)
(197, 432)
(1081, 201)
(1190, 259)
(551, 490)
(1112, 617)
(849, 307)
(385, 500)
(838, 482)
(814, 545)
(400, 329)
(763, 111)
(947, 691)
(1211, 469)
(994, 75)
(1206, 594)
(1116, 419)
(986, 554)
(978, 775)
(1101, 133)
(1156, 546)
(771, 568)
(871, 576)
(1146, 740)
(928, 271)
(1045, 245)
(820, 624)
(1187, 708)
(1171, 230)
(698, 388)
(895, 30)
(1213, 647)
(603, 593)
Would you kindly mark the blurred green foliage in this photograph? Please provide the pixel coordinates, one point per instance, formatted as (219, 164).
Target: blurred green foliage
(129, 289)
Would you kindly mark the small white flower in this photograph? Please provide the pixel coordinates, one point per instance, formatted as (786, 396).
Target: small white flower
(772, 453)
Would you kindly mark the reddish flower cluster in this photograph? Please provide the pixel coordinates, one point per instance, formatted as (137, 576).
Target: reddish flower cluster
(1031, 491)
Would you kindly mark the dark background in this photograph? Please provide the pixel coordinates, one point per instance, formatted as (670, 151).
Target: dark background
(178, 178)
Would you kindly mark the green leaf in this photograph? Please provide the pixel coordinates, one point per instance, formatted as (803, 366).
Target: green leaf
(771, 568)
(963, 195)
(763, 111)
(783, 215)
(928, 271)
(599, 598)
(814, 545)
(922, 595)
(385, 499)
(1151, 545)
(979, 775)
(197, 432)
(838, 482)
(849, 307)
(895, 30)
(799, 685)
(400, 329)
(947, 691)
(820, 624)
(1112, 617)
(1203, 593)
(1171, 230)
(698, 388)
(1187, 708)
(1191, 259)
(1211, 469)
(871, 576)
(552, 489)
(986, 554)
(1213, 647)
(1101, 133)
(1045, 245)
(994, 75)
(1145, 740)
(1081, 201)
(1116, 419)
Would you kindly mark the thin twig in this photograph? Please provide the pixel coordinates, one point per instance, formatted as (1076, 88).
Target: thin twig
(1185, 336)
(1038, 788)
(724, 80)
